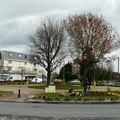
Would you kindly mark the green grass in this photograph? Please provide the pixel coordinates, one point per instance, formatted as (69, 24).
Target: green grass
(13, 82)
(2, 93)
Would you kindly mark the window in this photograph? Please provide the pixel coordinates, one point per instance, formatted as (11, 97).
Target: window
(10, 54)
(25, 56)
(19, 55)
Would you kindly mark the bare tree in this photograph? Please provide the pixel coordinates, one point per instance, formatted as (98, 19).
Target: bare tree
(47, 45)
(91, 37)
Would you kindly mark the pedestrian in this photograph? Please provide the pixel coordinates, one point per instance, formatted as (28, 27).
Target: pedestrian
(94, 83)
(88, 85)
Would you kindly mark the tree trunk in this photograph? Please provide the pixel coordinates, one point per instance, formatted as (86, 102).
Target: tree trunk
(85, 86)
(48, 76)
(84, 74)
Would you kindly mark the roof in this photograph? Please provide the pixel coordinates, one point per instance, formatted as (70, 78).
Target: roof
(10, 55)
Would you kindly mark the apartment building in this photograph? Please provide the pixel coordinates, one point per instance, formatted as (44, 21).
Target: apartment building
(17, 64)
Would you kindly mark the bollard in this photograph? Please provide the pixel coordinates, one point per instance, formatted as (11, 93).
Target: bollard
(19, 95)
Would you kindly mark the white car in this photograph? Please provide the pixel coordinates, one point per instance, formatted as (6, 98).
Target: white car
(111, 83)
(37, 80)
(76, 81)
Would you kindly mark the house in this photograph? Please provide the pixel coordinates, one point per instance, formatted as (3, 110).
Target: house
(17, 65)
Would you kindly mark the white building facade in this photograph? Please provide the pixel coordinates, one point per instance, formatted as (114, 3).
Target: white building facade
(17, 64)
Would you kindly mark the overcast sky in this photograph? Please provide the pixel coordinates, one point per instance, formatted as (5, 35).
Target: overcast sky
(19, 18)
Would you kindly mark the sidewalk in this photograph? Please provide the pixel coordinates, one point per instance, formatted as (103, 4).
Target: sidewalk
(104, 88)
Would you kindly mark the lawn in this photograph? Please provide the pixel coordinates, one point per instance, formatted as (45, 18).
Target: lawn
(4, 93)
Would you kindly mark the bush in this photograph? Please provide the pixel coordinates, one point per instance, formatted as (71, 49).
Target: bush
(67, 99)
(97, 93)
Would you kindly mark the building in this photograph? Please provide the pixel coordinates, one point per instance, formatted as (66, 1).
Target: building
(17, 65)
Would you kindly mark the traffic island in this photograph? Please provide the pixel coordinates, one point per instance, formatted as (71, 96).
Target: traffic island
(92, 97)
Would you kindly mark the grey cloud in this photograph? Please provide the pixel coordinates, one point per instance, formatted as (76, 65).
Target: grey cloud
(15, 32)
(19, 18)
(11, 34)
(15, 8)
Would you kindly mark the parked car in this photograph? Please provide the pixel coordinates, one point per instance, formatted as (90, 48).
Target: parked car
(111, 83)
(1, 80)
(76, 81)
(37, 80)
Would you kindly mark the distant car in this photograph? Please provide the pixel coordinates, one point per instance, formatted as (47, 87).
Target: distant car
(76, 81)
(57, 80)
(111, 83)
(1, 80)
(37, 80)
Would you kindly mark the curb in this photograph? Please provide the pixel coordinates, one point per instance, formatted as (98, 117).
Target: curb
(12, 101)
(61, 102)
(73, 102)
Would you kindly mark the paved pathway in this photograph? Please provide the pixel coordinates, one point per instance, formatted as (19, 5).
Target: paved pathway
(104, 88)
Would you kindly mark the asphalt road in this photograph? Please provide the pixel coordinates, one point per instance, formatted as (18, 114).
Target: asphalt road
(37, 111)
